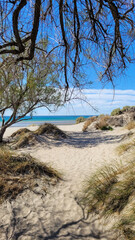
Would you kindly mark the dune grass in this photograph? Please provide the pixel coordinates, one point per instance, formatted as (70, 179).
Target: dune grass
(109, 192)
(50, 129)
(20, 172)
(126, 225)
(130, 125)
(102, 123)
(125, 147)
(88, 122)
(24, 137)
(20, 131)
(80, 119)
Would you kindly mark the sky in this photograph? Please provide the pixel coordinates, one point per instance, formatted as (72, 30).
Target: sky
(101, 99)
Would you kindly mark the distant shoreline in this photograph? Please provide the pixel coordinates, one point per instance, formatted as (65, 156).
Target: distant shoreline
(35, 123)
(57, 120)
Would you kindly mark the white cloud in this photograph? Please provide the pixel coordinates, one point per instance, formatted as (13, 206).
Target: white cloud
(104, 100)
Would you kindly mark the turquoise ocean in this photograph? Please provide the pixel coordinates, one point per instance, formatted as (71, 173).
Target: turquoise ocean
(38, 120)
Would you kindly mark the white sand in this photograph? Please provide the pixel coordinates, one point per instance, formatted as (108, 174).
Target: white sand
(57, 215)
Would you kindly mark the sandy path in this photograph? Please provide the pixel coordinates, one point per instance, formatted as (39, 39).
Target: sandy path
(57, 215)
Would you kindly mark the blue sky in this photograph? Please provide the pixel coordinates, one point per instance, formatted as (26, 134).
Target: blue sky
(103, 98)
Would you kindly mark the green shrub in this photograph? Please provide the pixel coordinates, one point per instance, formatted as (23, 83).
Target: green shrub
(116, 111)
(80, 119)
(102, 124)
(124, 109)
(109, 128)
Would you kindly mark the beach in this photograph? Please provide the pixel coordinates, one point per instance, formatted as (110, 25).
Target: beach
(58, 214)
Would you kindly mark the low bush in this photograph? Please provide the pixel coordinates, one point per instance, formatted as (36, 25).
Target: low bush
(50, 129)
(20, 131)
(102, 123)
(124, 109)
(20, 172)
(106, 128)
(24, 137)
(80, 119)
(116, 111)
(25, 140)
(88, 123)
(130, 125)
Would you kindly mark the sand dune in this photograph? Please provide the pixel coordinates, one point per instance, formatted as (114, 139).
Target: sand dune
(57, 214)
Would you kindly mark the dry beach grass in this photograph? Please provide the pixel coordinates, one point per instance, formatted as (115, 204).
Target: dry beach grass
(21, 172)
(59, 213)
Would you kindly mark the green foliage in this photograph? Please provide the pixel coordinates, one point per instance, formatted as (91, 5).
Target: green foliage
(116, 111)
(80, 119)
(124, 109)
(22, 91)
(109, 128)
(119, 111)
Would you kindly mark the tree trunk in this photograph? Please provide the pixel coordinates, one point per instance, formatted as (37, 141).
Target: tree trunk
(2, 131)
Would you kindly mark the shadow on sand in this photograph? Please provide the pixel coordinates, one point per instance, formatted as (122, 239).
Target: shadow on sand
(80, 139)
(19, 228)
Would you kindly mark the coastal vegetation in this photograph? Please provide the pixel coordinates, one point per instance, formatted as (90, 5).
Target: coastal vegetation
(46, 48)
(88, 123)
(100, 122)
(119, 111)
(80, 119)
(129, 145)
(22, 91)
(110, 192)
(117, 118)
(25, 137)
(116, 111)
(55, 59)
(130, 125)
(22, 172)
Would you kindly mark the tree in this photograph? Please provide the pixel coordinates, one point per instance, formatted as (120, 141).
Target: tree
(22, 90)
(99, 32)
